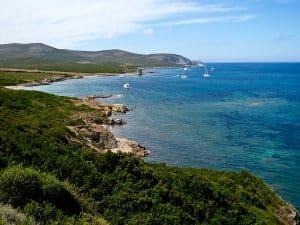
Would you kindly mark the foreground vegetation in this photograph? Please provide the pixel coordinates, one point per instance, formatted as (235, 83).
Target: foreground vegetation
(47, 179)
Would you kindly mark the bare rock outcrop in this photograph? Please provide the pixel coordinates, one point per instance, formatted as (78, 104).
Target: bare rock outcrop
(121, 108)
(102, 140)
(96, 137)
(94, 133)
(128, 146)
(288, 214)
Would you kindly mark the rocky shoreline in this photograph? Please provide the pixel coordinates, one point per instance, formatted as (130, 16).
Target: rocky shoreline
(95, 133)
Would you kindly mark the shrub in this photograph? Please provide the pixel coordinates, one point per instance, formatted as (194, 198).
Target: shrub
(10, 216)
(19, 186)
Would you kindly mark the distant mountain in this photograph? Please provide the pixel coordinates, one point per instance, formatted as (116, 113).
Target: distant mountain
(37, 55)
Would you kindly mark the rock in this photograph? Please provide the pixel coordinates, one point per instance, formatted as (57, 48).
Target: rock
(95, 136)
(98, 120)
(116, 122)
(109, 112)
(119, 122)
(128, 146)
(119, 108)
(289, 214)
(93, 97)
(78, 77)
(108, 108)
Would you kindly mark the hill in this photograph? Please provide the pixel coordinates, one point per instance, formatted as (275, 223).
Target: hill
(44, 57)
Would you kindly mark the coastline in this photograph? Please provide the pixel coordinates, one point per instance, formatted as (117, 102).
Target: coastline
(122, 143)
(61, 76)
(99, 128)
(113, 143)
(55, 72)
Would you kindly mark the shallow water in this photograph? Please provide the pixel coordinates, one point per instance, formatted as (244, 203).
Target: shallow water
(245, 116)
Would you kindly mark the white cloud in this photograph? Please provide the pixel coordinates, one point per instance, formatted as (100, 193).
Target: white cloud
(149, 31)
(205, 20)
(65, 23)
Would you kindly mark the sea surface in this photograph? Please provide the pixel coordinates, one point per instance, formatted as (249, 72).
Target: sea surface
(244, 116)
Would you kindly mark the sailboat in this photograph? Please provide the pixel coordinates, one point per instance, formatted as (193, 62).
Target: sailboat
(206, 73)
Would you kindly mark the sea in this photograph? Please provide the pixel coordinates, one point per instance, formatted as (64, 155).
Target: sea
(245, 116)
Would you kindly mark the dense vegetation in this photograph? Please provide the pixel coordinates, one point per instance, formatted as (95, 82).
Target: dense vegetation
(46, 179)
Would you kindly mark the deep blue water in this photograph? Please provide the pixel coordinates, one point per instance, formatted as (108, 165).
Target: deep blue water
(245, 116)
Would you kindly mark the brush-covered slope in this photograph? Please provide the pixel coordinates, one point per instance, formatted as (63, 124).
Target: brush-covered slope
(51, 179)
(42, 56)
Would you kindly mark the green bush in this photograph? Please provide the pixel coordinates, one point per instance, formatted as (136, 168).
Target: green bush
(19, 186)
(11, 216)
(123, 188)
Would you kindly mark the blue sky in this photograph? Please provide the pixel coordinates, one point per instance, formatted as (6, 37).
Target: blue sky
(212, 31)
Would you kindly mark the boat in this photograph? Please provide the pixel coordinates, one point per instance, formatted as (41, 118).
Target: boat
(126, 85)
(122, 76)
(200, 65)
(183, 76)
(206, 73)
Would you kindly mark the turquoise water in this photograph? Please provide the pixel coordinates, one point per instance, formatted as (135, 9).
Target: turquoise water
(245, 116)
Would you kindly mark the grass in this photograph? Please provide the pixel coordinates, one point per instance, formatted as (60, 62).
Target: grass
(71, 67)
(21, 77)
(14, 78)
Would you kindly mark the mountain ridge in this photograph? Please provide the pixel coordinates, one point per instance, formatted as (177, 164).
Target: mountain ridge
(39, 54)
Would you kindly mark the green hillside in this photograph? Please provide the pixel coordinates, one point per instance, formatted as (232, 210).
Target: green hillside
(44, 57)
(45, 178)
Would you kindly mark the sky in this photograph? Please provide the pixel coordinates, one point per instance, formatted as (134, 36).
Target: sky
(207, 30)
